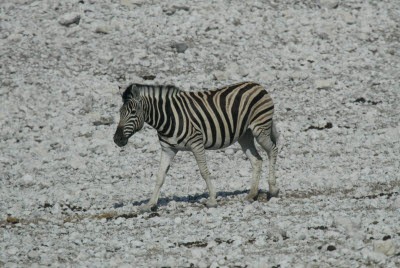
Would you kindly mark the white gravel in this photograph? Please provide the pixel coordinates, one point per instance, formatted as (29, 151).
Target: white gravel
(70, 197)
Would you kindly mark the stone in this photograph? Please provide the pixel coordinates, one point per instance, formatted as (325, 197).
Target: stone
(324, 84)
(297, 75)
(119, 220)
(178, 220)
(244, 172)
(301, 236)
(331, 4)
(347, 17)
(180, 47)
(396, 204)
(387, 247)
(197, 253)
(260, 242)
(266, 77)
(102, 29)
(331, 248)
(220, 75)
(105, 58)
(372, 255)
(27, 180)
(229, 151)
(77, 162)
(69, 18)
(15, 37)
(12, 251)
(131, 3)
(104, 120)
(33, 254)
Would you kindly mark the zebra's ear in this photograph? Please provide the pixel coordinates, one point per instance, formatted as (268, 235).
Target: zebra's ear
(135, 93)
(131, 92)
(121, 92)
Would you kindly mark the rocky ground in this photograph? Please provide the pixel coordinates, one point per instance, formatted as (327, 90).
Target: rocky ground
(70, 197)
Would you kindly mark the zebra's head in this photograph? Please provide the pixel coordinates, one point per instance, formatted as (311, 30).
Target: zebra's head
(131, 116)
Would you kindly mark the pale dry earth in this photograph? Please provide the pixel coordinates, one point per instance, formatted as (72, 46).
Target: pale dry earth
(70, 197)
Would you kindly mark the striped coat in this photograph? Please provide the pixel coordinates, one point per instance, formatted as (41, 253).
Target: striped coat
(202, 120)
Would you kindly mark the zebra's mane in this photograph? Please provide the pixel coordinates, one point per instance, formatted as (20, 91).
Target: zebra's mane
(137, 90)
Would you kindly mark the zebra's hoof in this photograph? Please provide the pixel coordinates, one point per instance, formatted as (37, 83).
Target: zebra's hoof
(274, 193)
(211, 204)
(251, 197)
(146, 208)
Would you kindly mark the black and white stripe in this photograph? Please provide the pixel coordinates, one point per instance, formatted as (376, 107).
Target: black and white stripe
(201, 120)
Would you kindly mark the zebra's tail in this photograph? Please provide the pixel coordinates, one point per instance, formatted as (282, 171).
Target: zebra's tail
(274, 133)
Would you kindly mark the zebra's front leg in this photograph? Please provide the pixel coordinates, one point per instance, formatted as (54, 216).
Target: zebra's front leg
(167, 155)
(199, 154)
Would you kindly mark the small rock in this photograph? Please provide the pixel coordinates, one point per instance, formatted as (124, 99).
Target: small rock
(298, 75)
(105, 58)
(347, 17)
(185, 8)
(301, 236)
(77, 162)
(266, 77)
(180, 47)
(178, 220)
(33, 254)
(396, 204)
(131, 3)
(236, 71)
(283, 233)
(387, 247)
(220, 75)
(197, 253)
(69, 18)
(260, 242)
(104, 120)
(27, 180)
(102, 29)
(127, 3)
(12, 251)
(274, 200)
(372, 255)
(324, 84)
(329, 3)
(56, 209)
(229, 151)
(331, 248)
(148, 77)
(14, 37)
(119, 220)
(137, 244)
(262, 197)
(12, 220)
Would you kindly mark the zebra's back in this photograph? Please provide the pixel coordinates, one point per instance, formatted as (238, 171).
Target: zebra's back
(223, 115)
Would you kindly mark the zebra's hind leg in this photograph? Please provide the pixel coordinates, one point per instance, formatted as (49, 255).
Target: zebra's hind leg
(267, 137)
(248, 147)
(199, 154)
(167, 155)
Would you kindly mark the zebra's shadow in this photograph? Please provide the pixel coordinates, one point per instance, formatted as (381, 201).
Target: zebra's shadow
(164, 201)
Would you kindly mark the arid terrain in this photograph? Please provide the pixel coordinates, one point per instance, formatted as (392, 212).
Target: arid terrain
(69, 197)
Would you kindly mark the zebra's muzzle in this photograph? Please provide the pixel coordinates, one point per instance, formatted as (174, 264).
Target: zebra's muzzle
(119, 138)
(120, 142)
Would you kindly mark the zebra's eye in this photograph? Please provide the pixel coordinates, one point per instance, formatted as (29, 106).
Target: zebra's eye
(133, 112)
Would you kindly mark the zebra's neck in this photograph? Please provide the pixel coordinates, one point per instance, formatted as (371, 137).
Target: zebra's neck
(156, 105)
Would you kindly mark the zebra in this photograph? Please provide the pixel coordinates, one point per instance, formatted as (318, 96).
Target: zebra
(202, 120)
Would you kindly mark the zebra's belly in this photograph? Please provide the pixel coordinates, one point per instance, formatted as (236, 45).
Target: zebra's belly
(217, 146)
(185, 145)
(173, 142)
